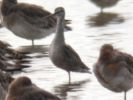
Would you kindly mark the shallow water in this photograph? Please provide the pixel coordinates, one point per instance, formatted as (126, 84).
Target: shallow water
(90, 30)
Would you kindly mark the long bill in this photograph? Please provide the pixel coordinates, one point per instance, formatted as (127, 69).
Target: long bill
(51, 15)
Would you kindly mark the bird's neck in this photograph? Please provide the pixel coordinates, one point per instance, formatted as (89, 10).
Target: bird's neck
(59, 37)
(6, 6)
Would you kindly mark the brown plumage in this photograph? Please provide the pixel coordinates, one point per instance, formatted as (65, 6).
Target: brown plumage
(69, 60)
(0, 15)
(8, 54)
(61, 54)
(7, 51)
(11, 67)
(22, 88)
(4, 44)
(5, 80)
(105, 3)
(114, 69)
(26, 20)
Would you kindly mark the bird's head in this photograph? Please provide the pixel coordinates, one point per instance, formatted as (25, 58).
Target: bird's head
(106, 48)
(106, 51)
(60, 12)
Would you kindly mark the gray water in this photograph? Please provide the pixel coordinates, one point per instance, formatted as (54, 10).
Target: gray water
(90, 31)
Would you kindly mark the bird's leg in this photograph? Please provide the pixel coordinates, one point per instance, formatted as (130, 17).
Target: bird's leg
(33, 43)
(69, 74)
(101, 9)
(125, 95)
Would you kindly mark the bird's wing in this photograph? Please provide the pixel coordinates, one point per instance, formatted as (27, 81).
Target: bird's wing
(71, 56)
(129, 60)
(39, 94)
(126, 58)
(35, 15)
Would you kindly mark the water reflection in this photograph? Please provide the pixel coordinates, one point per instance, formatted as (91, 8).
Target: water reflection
(41, 49)
(63, 90)
(105, 18)
(113, 27)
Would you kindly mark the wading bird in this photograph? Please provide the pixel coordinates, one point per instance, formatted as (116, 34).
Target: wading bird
(105, 3)
(114, 69)
(28, 21)
(22, 88)
(61, 54)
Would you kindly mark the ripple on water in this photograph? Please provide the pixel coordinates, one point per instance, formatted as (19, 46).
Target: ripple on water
(90, 31)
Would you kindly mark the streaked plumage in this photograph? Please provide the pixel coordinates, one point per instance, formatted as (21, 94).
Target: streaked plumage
(10, 59)
(61, 54)
(114, 69)
(26, 20)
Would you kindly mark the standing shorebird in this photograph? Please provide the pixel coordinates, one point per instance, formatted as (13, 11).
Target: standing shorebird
(104, 3)
(61, 54)
(22, 88)
(114, 69)
(27, 21)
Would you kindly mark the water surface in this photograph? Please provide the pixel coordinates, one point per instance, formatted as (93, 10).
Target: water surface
(90, 30)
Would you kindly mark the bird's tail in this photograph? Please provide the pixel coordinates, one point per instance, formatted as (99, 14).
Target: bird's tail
(67, 21)
(85, 69)
(67, 28)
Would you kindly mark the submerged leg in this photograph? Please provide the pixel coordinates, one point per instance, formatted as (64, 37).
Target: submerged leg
(69, 74)
(125, 95)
